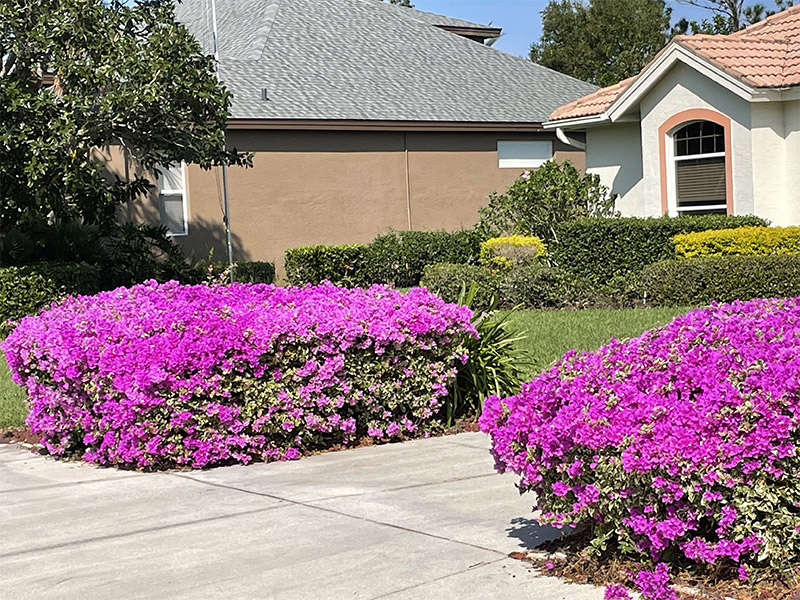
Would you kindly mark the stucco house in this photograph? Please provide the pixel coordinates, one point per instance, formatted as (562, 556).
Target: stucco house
(711, 125)
(362, 116)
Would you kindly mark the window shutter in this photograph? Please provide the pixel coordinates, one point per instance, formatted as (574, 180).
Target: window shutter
(701, 181)
(172, 216)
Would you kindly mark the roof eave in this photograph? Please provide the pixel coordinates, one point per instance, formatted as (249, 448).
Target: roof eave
(387, 125)
(577, 122)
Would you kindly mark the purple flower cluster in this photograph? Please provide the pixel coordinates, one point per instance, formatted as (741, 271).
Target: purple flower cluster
(161, 375)
(679, 444)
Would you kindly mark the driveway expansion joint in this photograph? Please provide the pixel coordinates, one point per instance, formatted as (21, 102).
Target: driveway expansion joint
(307, 504)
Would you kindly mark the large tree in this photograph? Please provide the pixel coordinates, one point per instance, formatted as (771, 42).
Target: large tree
(728, 16)
(76, 75)
(591, 42)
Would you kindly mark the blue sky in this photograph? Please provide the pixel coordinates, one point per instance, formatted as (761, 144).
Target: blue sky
(519, 19)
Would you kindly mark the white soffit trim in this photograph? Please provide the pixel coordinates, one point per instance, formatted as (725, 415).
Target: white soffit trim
(576, 122)
(648, 78)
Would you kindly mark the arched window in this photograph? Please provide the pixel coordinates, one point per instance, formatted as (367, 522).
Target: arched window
(699, 161)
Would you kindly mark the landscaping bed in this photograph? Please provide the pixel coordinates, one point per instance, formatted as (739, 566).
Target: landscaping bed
(675, 451)
(166, 375)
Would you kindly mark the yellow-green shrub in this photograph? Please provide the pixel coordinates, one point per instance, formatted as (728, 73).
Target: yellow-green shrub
(743, 241)
(505, 253)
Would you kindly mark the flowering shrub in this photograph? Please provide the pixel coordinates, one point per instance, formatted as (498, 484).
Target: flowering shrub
(744, 241)
(506, 253)
(680, 444)
(162, 375)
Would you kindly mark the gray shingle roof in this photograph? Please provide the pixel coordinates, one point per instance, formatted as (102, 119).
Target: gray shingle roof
(366, 60)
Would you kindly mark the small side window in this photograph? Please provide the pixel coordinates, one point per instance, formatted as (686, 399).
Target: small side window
(172, 199)
(524, 154)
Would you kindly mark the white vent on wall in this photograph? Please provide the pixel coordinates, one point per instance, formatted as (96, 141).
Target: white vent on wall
(523, 155)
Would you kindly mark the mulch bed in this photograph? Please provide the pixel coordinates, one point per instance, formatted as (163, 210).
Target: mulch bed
(25, 439)
(19, 435)
(564, 558)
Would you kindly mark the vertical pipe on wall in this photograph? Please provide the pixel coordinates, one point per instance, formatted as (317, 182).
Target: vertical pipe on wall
(226, 218)
(408, 180)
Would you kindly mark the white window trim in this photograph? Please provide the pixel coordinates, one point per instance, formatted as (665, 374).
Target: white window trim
(696, 156)
(184, 201)
(672, 184)
(523, 163)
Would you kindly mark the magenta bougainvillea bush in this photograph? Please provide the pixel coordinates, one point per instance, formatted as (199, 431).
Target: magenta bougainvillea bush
(678, 446)
(162, 375)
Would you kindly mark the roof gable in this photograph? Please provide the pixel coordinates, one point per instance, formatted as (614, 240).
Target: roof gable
(764, 55)
(366, 60)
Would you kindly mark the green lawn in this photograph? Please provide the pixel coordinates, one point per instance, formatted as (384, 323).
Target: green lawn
(12, 399)
(549, 335)
(552, 333)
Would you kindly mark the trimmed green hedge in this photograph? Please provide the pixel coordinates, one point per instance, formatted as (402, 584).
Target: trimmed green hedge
(527, 287)
(744, 241)
(25, 290)
(342, 265)
(723, 279)
(601, 249)
(398, 258)
(253, 271)
(448, 280)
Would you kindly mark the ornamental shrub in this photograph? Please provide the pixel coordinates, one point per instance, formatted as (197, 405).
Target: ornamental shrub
(542, 199)
(506, 253)
(744, 241)
(341, 265)
(679, 445)
(161, 375)
(449, 281)
(400, 257)
(26, 290)
(496, 365)
(598, 250)
(723, 279)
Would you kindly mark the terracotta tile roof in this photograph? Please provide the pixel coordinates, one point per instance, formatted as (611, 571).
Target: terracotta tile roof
(593, 104)
(764, 55)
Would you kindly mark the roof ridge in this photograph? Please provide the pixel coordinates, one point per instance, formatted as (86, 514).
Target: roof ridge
(769, 21)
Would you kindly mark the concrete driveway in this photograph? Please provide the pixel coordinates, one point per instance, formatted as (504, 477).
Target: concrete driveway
(425, 519)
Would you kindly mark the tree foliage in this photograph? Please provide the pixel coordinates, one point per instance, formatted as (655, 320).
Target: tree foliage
(78, 75)
(591, 42)
(406, 3)
(541, 200)
(728, 16)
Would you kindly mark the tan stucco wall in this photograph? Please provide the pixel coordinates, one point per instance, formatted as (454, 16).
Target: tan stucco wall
(339, 187)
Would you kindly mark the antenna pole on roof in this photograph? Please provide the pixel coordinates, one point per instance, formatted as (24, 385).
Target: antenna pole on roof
(225, 199)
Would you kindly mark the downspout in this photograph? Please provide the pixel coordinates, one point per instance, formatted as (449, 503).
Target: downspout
(408, 180)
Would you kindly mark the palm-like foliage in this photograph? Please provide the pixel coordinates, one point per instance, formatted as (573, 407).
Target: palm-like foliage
(496, 364)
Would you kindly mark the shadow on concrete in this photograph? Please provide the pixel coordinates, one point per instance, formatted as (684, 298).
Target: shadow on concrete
(530, 534)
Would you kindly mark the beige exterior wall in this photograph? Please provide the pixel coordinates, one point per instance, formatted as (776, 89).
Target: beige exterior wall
(684, 88)
(680, 89)
(335, 187)
(765, 148)
(792, 135)
(770, 185)
(614, 153)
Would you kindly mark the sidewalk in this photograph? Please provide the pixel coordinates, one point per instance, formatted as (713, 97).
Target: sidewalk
(424, 519)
